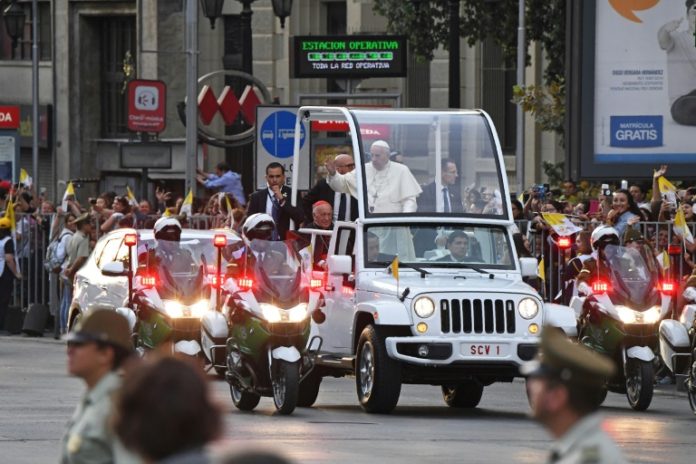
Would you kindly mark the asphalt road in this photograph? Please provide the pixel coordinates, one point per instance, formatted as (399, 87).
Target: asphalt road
(37, 398)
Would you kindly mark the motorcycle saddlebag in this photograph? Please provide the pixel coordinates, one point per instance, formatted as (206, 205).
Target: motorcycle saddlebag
(35, 321)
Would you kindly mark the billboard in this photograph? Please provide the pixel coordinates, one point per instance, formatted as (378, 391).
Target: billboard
(644, 75)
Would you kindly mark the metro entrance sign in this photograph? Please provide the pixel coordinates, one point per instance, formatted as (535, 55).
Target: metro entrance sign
(352, 56)
(146, 105)
(9, 143)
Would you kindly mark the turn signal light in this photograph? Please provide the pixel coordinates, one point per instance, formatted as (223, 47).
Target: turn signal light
(667, 287)
(245, 284)
(220, 241)
(130, 240)
(599, 286)
(148, 281)
(564, 242)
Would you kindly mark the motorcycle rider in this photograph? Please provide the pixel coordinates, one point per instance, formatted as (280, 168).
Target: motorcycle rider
(168, 252)
(596, 266)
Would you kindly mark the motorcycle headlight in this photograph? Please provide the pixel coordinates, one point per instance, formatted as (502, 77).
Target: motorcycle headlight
(298, 313)
(424, 307)
(200, 308)
(528, 308)
(629, 316)
(271, 313)
(173, 308)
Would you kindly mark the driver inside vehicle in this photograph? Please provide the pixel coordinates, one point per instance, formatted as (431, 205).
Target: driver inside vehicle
(458, 246)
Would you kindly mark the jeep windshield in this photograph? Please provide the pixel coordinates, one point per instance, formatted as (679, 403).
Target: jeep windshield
(431, 245)
(430, 162)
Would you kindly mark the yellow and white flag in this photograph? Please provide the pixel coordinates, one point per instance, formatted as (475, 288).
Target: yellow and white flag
(131, 198)
(187, 205)
(25, 178)
(394, 268)
(10, 214)
(228, 205)
(541, 270)
(680, 227)
(560, 224)
(166, 213)
(667, 189)
(663, 259)
(69, 192)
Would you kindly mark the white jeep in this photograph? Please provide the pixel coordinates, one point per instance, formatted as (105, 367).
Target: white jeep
(452, 309)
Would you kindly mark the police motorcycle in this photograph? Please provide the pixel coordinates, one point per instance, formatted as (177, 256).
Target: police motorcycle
(269, 304)
(171, 287)
(678, 345)
(619, 316)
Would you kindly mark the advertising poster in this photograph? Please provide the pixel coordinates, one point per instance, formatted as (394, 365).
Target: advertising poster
(645, 82)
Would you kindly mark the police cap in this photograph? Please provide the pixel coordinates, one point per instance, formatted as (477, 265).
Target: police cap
(568, 362)
(105, 326)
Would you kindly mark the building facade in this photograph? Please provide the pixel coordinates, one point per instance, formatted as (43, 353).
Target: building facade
(90, 48)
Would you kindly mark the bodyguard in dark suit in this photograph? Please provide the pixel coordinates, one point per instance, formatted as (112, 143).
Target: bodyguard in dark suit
(450, 199)
(345, 207)
(449, 193)
(275, 201)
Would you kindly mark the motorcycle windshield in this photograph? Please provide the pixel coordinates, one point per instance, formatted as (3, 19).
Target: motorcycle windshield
(633, 270)
(182, 266)
(277, 268)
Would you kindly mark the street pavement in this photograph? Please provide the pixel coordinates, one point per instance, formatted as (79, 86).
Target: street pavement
(37, 398)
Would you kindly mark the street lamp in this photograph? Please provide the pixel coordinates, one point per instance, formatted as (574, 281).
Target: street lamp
(14, 22)
(212, 9)
(282, 9)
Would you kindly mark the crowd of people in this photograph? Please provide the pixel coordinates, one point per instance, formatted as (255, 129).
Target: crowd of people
(69, 235)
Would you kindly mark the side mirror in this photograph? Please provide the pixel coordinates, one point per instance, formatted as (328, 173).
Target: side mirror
(340, 264)
(528, 267)
(114, 268)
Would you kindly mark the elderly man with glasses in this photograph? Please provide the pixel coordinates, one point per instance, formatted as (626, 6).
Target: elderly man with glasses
(345, 207)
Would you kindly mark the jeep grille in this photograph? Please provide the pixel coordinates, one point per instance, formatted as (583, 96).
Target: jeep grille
(477, 316)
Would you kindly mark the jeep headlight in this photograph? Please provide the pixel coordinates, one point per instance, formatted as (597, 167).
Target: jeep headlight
(528, 308)
(424, 307)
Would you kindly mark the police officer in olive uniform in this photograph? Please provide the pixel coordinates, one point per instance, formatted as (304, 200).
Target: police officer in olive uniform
(97, 348)
(566, 385)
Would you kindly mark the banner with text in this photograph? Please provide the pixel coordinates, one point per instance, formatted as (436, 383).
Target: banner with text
(645, 83)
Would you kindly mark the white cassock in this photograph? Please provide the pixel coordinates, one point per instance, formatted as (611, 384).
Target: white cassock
(390, 190)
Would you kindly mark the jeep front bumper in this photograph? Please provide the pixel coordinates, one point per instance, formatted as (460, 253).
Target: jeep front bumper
(439, 351)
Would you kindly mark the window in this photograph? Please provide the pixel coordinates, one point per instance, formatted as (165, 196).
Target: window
(23, 50)
(498, 79)
(117, 39)
(109, 253)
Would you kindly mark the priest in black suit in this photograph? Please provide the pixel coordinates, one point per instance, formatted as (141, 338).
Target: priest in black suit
(274, 200)
(451, 202)
(345, 207)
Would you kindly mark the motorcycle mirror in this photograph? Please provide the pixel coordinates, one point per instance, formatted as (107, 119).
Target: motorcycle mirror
(318, 316)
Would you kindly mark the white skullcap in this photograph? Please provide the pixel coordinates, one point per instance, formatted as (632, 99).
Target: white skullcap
(380, 143)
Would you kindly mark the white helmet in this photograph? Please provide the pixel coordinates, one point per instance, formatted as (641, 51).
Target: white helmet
(167, 228)
(604, 235)
(258, 226)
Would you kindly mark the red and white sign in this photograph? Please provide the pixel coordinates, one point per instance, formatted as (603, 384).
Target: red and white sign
(147, 105)
(368, 131)
(9, 117)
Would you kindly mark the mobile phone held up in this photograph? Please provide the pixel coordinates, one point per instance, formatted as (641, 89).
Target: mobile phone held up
(606, 191)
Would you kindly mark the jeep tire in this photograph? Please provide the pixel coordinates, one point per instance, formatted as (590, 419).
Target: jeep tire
(377, 376)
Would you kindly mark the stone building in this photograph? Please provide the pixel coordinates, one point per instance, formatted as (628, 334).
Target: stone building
(84, 45)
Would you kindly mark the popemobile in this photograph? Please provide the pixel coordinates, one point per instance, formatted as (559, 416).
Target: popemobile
(424, 286)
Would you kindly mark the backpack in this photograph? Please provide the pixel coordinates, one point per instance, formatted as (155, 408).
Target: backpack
(51, 262)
